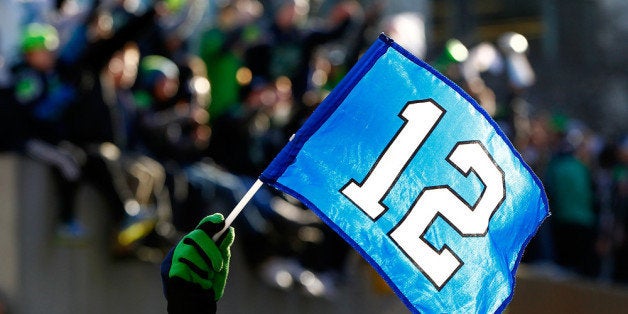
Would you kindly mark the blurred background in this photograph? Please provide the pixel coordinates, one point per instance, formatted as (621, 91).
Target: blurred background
(124, 122)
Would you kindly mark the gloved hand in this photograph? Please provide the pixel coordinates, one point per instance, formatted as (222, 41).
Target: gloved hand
(194, 273)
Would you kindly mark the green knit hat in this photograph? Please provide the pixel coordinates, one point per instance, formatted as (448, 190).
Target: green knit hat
(154, 67)
(454, 52)
(38, 36)
(175, 5)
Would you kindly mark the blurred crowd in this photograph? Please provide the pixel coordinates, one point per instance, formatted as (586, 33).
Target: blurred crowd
(172, 108)
(584, 173)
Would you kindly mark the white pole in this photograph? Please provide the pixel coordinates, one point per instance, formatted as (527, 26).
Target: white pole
(239, 207)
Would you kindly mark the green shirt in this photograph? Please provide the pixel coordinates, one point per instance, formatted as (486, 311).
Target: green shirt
(570, 192)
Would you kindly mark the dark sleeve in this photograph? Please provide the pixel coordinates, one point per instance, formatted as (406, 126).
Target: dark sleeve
(184, 297)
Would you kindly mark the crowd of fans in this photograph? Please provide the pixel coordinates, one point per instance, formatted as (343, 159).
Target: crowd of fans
(584, 173)
(173, 114)
(585, 178)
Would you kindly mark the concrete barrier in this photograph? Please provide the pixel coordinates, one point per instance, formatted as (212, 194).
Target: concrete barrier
(41, 275)
(9, 270)
(538, 292)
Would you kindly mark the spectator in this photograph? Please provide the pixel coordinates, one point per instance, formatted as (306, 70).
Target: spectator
(101, 60)
(569, 187)
(222, 48)
(175, 132)
(134, 184)
(620, 205)
(42, 99)
(289, 43)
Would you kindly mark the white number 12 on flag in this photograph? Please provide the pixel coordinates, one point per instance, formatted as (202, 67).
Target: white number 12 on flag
(469, 220)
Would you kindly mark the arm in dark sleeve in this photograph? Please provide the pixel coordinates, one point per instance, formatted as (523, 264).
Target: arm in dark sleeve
(185, 297)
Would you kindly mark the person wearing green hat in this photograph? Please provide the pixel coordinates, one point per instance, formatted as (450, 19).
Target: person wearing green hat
(569, 186)
(222, 49)
(42, 99)
(173, 129)
(37, 83)
(38, 36)
(158, 81)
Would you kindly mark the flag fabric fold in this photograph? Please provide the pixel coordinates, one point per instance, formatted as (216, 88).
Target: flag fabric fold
(410, 171)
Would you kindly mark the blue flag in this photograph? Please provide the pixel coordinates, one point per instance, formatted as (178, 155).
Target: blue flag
(409, 170)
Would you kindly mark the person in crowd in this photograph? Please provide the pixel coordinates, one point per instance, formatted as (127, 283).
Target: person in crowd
(222, 49)
(175, 132)
(241, 144)
(42, 99)
(289, 43)
(620, 206)
(133, 183)
(569, 188)
(536, 151)
(245, 139)
(606, 194)
(77, 115)
(101, 60)
(247, 136)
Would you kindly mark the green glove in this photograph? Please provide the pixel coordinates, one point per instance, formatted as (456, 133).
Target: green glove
(197, 259)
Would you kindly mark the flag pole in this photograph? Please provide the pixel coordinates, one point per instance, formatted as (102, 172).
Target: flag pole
(239, 207)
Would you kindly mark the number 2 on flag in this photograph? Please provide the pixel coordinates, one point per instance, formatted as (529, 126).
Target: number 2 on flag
(469, 220)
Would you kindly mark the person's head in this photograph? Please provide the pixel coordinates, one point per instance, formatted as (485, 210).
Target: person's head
(290, 13)
(39, 45)
(123, 66)
(159, 76)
